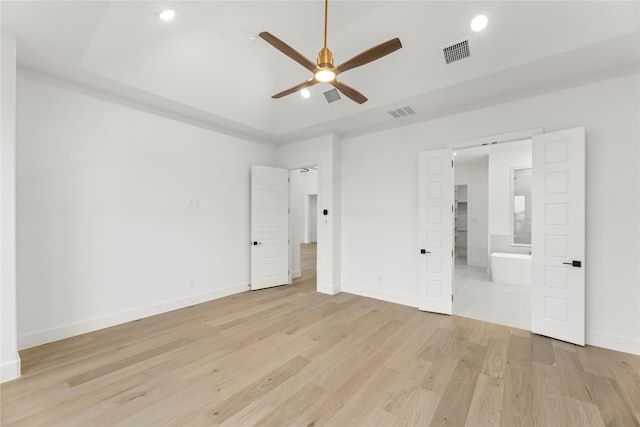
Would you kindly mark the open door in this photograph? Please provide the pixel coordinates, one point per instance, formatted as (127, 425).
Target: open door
(436, 231)
(558, 236)
(269, 227)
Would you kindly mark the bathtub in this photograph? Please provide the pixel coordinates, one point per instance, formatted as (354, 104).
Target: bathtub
(511, 269)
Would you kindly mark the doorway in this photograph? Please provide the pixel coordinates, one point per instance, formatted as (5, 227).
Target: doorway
(555, 269)
(484, 225)
(304, 222)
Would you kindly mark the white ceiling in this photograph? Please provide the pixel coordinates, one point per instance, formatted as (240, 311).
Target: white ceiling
(202, 67)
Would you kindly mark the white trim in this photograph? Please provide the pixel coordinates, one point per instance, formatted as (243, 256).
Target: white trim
(612, 342)
(501, 138)
(408, 300)
(329, 289)
(296, 274)
(65, 331)
(10, 370)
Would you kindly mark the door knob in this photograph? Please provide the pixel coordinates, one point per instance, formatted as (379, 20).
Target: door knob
(574, 263)
(257, 243)
(424, 251)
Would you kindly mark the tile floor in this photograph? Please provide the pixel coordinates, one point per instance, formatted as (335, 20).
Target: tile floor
(477, 297)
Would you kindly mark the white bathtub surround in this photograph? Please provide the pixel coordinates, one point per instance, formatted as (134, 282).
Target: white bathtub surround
(511, 269)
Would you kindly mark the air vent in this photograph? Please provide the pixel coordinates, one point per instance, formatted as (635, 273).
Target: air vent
(402, 112)
(332, 95)
(456, 52)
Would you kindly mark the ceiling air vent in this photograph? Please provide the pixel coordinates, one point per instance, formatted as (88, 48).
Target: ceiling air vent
(456, 52)
(332, 95)
(402, 112)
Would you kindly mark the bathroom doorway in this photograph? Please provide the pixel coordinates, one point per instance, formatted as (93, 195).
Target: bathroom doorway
(484, 224)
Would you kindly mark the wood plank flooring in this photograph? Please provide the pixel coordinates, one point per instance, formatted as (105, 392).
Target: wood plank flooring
(291, 356)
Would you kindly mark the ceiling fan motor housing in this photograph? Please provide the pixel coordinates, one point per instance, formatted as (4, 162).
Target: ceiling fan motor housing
(325, 58)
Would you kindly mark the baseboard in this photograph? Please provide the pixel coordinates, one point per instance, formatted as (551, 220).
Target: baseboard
(329, 289)
(10, 370)
(296, 274)
(613, 342)
(90, 325)
(408, 300)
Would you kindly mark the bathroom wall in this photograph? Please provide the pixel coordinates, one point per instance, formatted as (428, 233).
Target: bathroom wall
(502, 159)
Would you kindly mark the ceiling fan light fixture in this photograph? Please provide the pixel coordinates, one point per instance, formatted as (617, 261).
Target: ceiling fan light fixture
(305, 93)
(325, 76)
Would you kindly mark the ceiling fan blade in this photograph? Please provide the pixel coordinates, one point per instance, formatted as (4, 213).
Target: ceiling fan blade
(372, 54)
(349, 92)
(295, 89)
(288, 50)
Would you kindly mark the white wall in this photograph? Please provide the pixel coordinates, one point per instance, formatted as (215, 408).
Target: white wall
(9, 358)
(312, 218)
(122, 213)
(474, 176)
(502, 159)
(120, 209)
(302, 184)
(380, 200)
(325, 153)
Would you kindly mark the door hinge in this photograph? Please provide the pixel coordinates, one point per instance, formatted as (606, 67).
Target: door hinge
(451, 297)
(451, 163)
(451, 208)
(451, 253)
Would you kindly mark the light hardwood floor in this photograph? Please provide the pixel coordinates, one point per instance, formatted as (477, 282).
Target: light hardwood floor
(291, 356)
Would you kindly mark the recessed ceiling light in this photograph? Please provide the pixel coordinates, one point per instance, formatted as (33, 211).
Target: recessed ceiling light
(167, 15)
(479, 23)
(305, 93)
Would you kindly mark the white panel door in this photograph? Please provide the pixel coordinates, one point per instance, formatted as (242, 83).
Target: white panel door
(269, 227)
(558, 284)
(436, 231)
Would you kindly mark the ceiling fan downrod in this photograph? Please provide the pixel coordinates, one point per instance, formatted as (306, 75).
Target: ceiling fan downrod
(325, 57)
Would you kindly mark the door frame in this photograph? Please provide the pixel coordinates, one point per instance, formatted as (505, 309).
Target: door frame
(488, 140)
(291, 169)
(503, 138)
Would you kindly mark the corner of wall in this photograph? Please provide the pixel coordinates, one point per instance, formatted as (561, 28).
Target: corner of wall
(329, 289)
(9, 359)
(10, 370)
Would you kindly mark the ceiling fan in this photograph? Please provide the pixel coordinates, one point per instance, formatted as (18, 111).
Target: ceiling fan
(324, 71)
